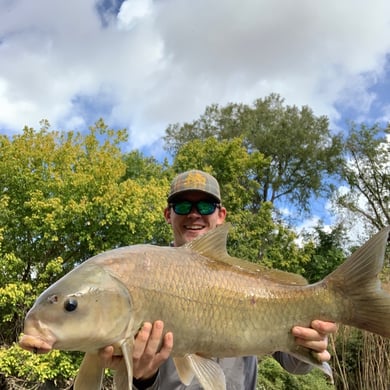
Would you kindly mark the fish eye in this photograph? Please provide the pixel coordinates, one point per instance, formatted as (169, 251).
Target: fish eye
(70, 304)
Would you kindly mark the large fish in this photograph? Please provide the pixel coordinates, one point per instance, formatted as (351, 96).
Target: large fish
(215, 305)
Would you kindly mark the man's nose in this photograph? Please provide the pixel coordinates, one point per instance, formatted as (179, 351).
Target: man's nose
(194, 210)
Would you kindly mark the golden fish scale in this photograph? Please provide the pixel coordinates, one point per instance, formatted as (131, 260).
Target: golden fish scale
(214, 308)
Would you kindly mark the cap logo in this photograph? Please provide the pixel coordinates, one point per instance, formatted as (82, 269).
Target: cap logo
(195, 179)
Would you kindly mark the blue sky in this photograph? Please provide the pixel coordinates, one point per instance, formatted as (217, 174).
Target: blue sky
(144, 64)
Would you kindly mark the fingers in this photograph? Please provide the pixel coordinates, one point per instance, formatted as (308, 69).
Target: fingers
(106, 352)
(107, 358)
(323, 356)
(150, 341)
(151, 349)
(315, 338)
(167, 346)
(310, 338)
(141, 340)
(324, 327)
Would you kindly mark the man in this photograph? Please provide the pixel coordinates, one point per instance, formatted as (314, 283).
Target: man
(194, 208)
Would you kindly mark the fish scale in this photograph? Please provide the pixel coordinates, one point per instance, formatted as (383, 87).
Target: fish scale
(215, 305)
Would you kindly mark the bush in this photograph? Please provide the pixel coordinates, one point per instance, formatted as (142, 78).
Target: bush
(271, 376)
(56, 366)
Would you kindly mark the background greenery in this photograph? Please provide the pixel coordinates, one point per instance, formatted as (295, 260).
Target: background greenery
(66, 195)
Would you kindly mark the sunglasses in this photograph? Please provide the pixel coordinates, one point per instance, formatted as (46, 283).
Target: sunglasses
(203, 207)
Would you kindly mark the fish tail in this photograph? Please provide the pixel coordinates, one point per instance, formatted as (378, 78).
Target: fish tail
(356, 280)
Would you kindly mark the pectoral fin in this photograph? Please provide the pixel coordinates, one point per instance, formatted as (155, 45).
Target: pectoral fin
(90, 375)
(207, 371)
(184, 370)
(123, 377)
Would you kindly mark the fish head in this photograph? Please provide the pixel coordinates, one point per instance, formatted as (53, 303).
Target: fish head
(85, 310)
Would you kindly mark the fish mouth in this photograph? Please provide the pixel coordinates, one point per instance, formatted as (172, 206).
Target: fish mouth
(34, 344)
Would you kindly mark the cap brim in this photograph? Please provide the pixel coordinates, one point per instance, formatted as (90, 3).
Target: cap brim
(178, 194)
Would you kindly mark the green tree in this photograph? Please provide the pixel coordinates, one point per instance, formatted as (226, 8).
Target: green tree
(326, 252)
(257, 235)
(139, 166)
(301, 151)
(231, 163)
(366, 170)
(65, 197)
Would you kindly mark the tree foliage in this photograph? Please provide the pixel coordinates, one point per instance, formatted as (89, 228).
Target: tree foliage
(64, 197)
(325, 250)
(273, 377)
(230, 162)
(300, 150)
(366, 170)
(55, 366)
(256, 233)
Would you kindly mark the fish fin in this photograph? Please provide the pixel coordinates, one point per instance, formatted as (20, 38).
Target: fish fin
(184, 370)
(123, 376)
(213, 245)
(90, 374)
(208, 372)
(306, 355)
(356, 280)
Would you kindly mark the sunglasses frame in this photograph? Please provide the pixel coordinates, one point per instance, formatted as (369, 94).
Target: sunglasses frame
(216, 205)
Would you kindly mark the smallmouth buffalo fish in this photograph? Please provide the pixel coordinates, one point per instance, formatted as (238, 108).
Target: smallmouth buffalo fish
(215, 305)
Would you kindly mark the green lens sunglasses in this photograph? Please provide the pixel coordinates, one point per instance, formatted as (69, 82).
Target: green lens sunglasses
(203, 207)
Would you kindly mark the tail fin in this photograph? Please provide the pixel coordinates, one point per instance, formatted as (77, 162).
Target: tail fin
(357, 280)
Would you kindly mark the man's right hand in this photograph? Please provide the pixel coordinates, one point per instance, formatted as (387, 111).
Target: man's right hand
(147, 354)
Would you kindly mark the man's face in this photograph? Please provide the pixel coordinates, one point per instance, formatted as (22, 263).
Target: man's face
(187, 227)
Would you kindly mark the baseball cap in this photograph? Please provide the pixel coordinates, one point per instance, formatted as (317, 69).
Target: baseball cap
(195, 180)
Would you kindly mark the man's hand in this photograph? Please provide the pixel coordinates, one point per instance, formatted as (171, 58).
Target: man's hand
(315, 338)
(147, 354)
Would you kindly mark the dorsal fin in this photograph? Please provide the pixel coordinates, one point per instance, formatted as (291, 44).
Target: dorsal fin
(213, 245)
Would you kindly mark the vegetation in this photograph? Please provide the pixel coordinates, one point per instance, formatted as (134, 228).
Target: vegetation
(367, 173)
(299, 148)
(273, 377)
(66, 196)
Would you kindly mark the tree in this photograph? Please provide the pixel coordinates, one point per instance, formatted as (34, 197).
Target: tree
(301, 151)
(326, 252)
(366, 170)
(256, 234)
(139, 166)
(230, 162)
(65, 197)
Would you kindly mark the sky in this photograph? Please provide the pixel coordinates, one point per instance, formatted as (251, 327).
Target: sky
(144, 64)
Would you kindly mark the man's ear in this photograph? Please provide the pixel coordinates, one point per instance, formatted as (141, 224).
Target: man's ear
(167, 214)
(222, 212)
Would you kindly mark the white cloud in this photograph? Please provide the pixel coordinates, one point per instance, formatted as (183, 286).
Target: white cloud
(132, 12)
(161, 62)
